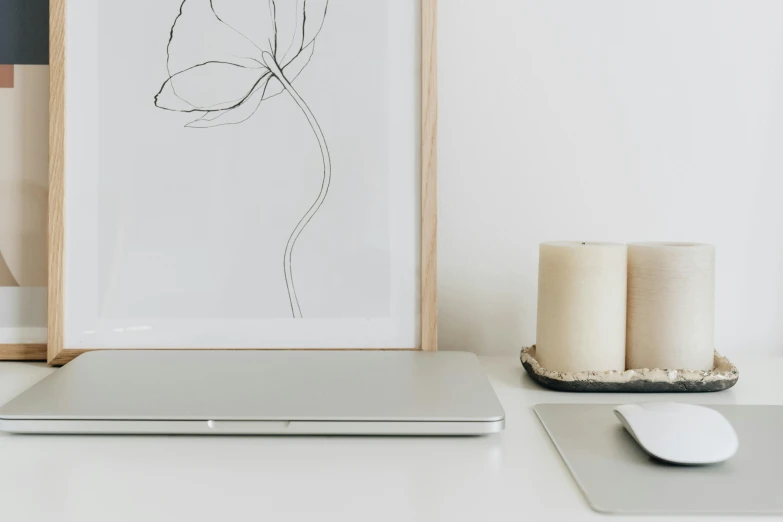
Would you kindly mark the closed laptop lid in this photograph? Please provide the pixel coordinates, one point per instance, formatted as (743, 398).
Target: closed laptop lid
(263, 385)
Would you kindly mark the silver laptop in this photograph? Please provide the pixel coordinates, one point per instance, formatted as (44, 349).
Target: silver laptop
(261, 392)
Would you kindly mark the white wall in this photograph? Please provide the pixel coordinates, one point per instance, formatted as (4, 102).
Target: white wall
(608, 120)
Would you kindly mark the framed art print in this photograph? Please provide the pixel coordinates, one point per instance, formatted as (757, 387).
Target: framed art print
(24, 113)
(242, 174)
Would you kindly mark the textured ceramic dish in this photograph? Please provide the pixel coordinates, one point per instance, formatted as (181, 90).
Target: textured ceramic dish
(723, 376)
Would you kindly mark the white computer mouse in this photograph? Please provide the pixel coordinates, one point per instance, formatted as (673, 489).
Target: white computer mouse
(680, 433)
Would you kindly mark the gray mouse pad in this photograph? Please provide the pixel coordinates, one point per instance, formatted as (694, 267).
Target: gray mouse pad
(617, 476)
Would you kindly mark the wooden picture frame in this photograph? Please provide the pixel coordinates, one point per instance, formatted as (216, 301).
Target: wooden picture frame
(23, 352)
(59, 353)
(24, 86)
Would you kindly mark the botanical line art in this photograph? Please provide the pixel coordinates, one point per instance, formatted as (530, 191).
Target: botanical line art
(224, 57)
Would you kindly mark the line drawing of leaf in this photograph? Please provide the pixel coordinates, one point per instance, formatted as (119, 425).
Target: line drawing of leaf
(213, 66)
(225, 57)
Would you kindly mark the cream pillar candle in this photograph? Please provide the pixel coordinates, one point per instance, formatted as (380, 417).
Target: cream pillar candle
(581, 306)
(671, 306)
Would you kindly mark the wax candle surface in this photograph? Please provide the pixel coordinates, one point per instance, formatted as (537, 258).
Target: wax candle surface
(581, 306)
(671, 306)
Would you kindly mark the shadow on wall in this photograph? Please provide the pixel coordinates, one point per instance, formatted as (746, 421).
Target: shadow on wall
(463, 320)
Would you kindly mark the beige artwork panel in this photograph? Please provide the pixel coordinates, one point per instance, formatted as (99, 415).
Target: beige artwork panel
(24, 176)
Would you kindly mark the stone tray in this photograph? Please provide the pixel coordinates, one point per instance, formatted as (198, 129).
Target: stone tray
(723, 376)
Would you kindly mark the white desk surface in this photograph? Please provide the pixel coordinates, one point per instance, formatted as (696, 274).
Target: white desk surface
(515, 475)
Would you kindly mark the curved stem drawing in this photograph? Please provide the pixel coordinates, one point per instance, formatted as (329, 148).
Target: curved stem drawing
(224, 82)
(326, 182)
